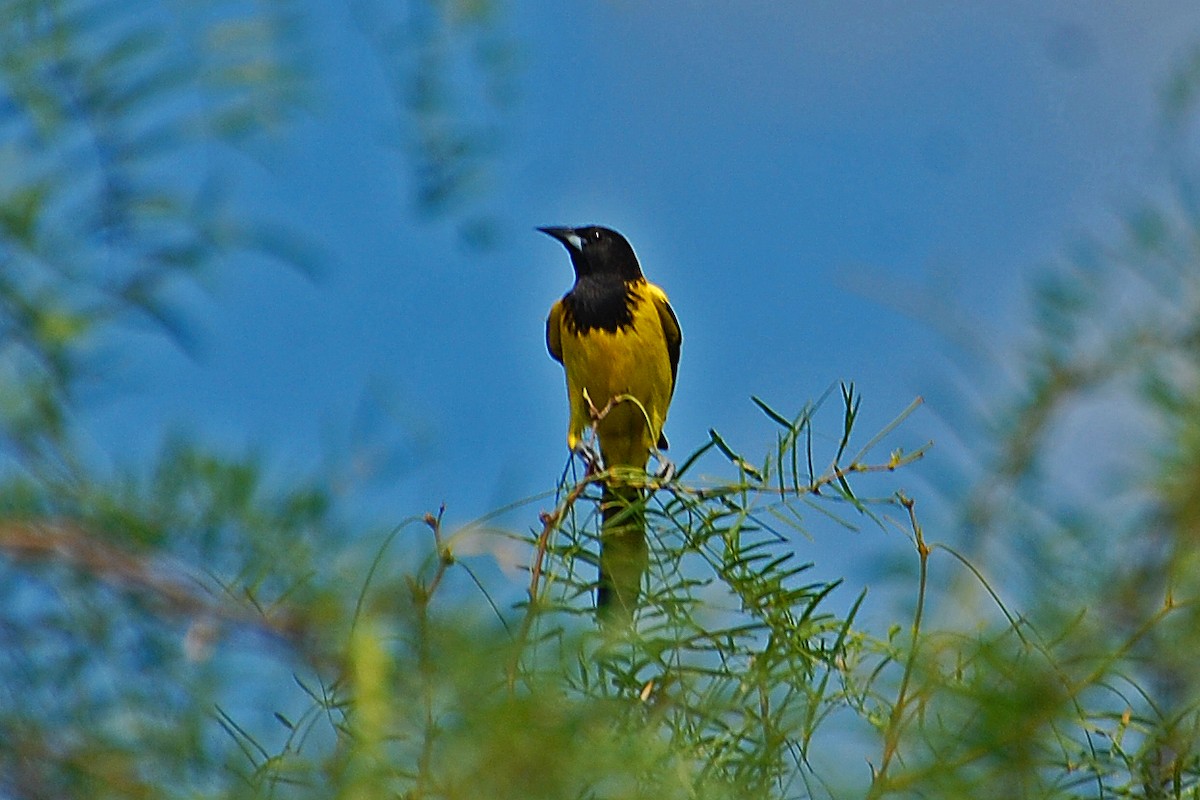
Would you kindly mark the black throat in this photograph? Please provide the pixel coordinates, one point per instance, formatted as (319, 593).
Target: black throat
(600, 302)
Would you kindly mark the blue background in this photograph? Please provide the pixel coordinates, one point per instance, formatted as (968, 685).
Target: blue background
(826, 191)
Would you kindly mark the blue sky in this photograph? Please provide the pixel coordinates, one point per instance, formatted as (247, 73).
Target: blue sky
(791, 174)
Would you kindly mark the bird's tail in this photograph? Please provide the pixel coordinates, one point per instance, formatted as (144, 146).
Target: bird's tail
(624, 555)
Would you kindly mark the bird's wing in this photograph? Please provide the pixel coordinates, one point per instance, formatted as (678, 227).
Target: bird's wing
(554, 332)
(671, 332)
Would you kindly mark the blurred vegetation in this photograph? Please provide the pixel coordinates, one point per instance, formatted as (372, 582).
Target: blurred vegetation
(185, 627)
(1084, 507)
(450, 70)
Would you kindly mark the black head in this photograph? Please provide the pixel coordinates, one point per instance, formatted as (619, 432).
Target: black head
(597, 251)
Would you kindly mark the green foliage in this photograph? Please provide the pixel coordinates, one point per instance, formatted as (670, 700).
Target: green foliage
(187, 627)
(734, 663)
(102, 105)
(1087, 689)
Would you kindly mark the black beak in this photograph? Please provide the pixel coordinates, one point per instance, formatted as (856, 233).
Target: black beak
(569, 238)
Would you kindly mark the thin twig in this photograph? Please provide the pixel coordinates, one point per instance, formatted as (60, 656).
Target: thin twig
(891, 736)
(550, 521)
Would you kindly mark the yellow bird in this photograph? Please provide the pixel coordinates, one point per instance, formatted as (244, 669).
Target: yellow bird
(618, 341)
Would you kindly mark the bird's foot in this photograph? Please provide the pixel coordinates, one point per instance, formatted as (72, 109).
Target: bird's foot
(666, 469)
(591, 457)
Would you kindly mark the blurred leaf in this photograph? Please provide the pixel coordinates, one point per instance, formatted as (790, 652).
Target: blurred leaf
(451, 70)
(20, 213)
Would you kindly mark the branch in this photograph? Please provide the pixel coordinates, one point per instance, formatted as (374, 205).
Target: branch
(75, 546)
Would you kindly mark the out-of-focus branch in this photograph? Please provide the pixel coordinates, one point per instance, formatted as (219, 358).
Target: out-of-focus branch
(167, 586)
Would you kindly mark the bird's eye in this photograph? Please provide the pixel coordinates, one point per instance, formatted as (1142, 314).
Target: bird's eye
(596, 235)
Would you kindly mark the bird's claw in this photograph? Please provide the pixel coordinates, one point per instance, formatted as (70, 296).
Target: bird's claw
(666, 469)
(591, 457)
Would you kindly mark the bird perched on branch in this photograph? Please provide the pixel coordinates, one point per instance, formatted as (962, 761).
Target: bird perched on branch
(618, 341)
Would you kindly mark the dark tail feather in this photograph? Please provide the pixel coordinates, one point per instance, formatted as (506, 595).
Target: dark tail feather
(624, 555)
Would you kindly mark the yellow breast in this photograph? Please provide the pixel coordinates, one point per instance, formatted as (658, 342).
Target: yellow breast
(626, 376)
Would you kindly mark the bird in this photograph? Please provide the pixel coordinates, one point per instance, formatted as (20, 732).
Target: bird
(618, 340)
